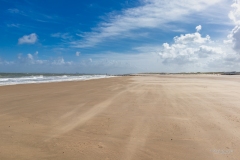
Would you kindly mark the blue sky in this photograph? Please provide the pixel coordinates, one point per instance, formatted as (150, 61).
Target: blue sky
(124, 36)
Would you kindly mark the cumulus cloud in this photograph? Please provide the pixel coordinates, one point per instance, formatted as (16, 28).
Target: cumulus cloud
(61, 61)
(32, 59)
(206, 51)
(25, 59)
(177, 53)
(234, 36)
(189, 48)
(28, 39)
(234, 14)
(192, 38)
(198, 28)
(30, 56)
(78, 53)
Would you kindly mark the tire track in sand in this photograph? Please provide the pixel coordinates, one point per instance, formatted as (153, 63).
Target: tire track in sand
(73, 119)
(65, 125)
(142, 128)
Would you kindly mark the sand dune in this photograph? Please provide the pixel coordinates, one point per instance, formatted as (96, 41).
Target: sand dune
(140, 117)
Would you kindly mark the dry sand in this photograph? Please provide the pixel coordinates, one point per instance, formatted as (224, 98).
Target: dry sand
(182, 117)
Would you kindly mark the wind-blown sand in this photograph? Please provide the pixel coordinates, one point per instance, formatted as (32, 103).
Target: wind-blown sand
(143, 117)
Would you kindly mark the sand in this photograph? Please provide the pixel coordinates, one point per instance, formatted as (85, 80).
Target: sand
(195, 117)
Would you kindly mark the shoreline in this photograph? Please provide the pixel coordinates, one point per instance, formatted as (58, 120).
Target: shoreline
(54, 81)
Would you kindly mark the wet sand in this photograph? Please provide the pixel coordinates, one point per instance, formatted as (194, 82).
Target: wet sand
(169, 117)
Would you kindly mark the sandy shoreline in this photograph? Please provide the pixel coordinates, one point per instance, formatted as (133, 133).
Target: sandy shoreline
(139, 117)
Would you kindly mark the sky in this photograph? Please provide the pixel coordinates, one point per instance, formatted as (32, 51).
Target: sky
(116, 37)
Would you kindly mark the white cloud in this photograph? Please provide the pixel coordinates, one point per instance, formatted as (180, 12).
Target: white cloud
(13, 10)
(36, 53)
(61, 35)
(28, 39)
(234, 36)
(13, 25)
(32, 59)
(4, 62)
(152, 14)
(206, 51)
(192, 38)
(78, 53)
(25, 59)
(30, 56)
(190, 48)
(198, 28)
(61, 61)
(234, 15)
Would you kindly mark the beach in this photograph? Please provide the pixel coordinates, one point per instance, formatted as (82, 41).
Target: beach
(172, 117)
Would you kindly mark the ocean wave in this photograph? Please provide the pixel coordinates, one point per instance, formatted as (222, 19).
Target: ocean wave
(47, 79)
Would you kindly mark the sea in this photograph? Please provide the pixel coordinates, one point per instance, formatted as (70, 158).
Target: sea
(26, 78)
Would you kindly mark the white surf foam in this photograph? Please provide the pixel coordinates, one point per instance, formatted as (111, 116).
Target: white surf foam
(48, 79)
